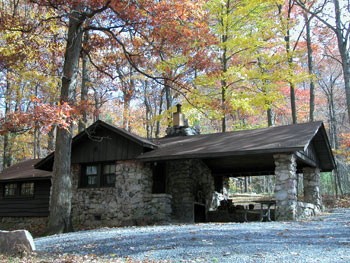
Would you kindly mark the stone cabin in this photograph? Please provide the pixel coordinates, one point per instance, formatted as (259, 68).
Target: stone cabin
(120, 179)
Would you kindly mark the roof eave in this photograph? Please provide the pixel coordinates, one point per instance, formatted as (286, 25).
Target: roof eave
(43, 161)
(125, 134)
(26, 178)
(210, 155)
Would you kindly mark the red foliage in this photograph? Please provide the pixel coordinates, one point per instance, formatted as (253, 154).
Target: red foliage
(43, 116)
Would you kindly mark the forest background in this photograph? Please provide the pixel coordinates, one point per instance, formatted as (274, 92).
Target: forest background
(232, 64)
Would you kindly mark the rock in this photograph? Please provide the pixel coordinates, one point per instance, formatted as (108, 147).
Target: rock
(281, 195)
(16, 242)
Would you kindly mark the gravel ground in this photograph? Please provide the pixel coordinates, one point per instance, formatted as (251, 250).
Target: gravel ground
(325, 238)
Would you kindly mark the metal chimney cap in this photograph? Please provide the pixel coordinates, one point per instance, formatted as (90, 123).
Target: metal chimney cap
(178, 107)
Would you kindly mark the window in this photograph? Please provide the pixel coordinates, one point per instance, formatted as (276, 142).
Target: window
(98, 175)
(27, 189)
(10, 190)
(91, 175)
(19, 189)
(109, 175)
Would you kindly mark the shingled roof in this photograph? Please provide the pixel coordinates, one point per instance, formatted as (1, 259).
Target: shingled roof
(234, 152)
(272, 140)
(23, 170)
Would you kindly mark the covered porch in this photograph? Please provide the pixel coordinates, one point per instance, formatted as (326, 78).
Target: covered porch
(295, 193)
(284, 152)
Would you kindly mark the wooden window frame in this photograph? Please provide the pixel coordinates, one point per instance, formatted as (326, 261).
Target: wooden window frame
(18, 190)
(27, 191)
(105, 175)
(101, 177)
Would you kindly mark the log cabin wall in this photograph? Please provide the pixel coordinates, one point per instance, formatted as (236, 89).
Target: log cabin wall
(26, 206)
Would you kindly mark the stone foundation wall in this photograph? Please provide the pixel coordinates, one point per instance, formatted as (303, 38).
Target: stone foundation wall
(159, 209)
(306, 210)
(130, 202)
(189, 182)
(285, 188)
(35, 225)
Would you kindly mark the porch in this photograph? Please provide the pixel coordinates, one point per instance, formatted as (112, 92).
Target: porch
(284, 152)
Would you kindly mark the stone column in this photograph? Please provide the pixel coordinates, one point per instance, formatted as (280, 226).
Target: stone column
(285, 189)
(312, 186)
(180, 185)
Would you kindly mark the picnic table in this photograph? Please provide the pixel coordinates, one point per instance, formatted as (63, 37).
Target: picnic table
(255, 204)
(264, 209)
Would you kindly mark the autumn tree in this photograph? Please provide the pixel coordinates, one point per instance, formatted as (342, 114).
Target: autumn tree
(29, 72)
(112, 20)
(242, 31)
(287, 23)
(338, 22)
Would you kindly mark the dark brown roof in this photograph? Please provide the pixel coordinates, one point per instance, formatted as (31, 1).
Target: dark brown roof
(23, 170)
(47, 162)
(133, 137)
(280, 139)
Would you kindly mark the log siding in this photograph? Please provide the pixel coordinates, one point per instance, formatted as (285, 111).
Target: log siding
(20, 205)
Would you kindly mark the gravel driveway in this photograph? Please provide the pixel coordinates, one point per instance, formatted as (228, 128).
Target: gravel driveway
(323, 239)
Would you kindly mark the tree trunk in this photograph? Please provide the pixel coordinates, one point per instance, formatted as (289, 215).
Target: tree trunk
(332, 121)
(7, 147)
(84, 83)
(223, 85)
(310, 66)
(159, 113)
(7, 154)
(127, 96)
(270, 121)
(246, 183)
(292, 103)
(51, 140)
(338, 181)
(223, 107)
(37, 133)
(290, 63)
(168, 100)
(148, 111)
(36, 142)
(7, 150)
(61, 192)
(126, 112)
(224, 65)
(342, 39)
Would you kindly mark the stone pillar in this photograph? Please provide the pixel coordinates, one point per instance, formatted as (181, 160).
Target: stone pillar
(285, 189)
(189, 182)
(312, 186)
(180, 185)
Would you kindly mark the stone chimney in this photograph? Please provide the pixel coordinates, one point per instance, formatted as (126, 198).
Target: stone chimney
(178, 117)
(180, 125)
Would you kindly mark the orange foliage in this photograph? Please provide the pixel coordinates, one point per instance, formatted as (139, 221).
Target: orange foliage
(344, 148)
